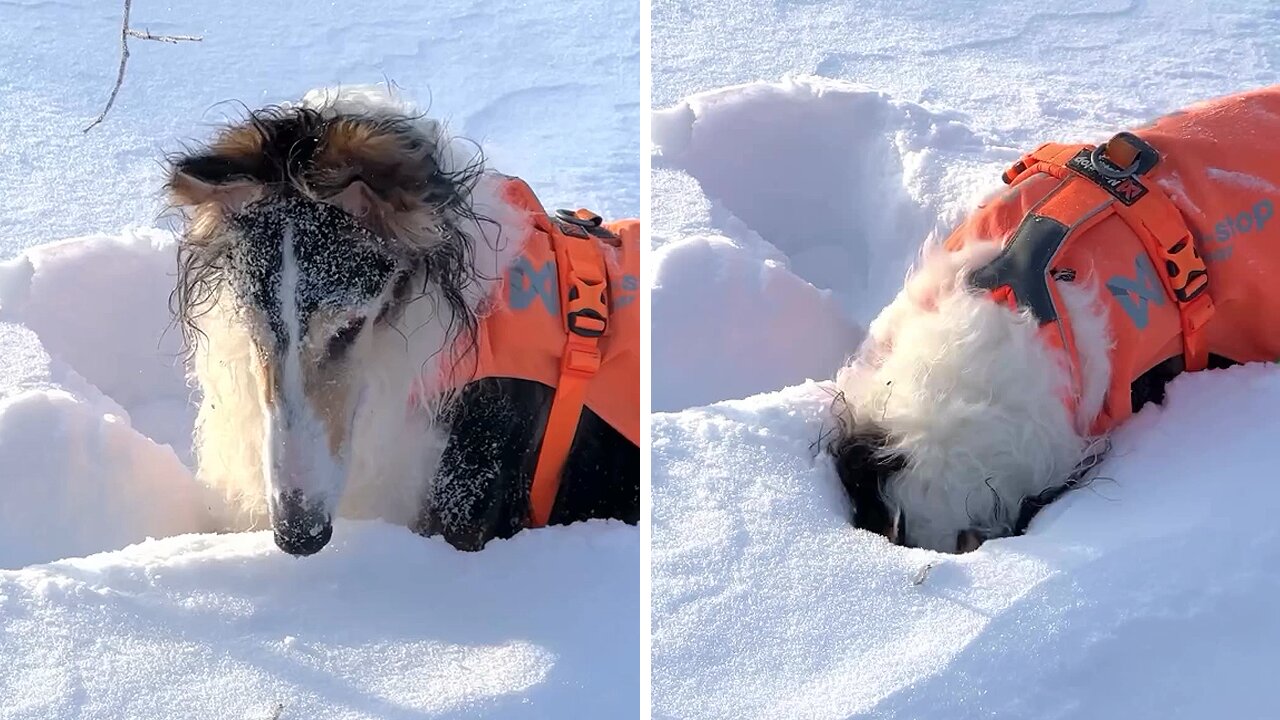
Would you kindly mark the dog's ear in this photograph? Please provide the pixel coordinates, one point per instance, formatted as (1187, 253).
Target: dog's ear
(214, 178)
(226, 175)
(383, 173)
(864, 468)
(380, 216)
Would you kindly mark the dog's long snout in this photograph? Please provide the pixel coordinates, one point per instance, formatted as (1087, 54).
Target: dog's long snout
(302, 526)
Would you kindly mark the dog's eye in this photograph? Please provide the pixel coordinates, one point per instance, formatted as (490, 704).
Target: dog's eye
(342, 340)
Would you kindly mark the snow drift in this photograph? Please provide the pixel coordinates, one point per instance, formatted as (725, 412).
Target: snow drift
(95, 415)
(812, 186)
(785, 215)
(1148, 595)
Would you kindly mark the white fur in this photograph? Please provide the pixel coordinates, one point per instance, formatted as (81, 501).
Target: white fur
(394, 446)
(973, 396)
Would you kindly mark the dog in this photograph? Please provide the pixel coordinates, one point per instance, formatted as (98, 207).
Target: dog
(1051, 314)
(379, 325)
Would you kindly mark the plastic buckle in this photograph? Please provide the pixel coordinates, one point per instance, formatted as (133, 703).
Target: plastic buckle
(587, 323)
(1015, 170)
(588, 314)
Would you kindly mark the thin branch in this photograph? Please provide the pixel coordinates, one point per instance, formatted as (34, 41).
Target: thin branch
(125, 33)
(175, 39)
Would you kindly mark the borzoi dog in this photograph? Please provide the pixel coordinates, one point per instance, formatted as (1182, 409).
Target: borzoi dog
(988, 386)
(371, 322)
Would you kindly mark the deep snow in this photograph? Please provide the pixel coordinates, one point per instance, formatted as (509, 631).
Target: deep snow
(95, 417)
(797, 172)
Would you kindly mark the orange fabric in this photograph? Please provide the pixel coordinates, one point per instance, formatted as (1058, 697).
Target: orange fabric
(583, 294)
(525, 333)
(1190, 268)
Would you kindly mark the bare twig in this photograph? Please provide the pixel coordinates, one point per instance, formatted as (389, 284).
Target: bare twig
(175, 39)
(125, 33)
(923, 573)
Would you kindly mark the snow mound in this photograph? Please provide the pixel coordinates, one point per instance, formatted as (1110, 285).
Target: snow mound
(78, 478)
(124, 348)
(382, 624)
(94, 419)
(810, 198)
(1148, 595)
(831, 174)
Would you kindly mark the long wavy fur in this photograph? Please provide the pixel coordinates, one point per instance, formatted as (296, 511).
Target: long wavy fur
(411, 185)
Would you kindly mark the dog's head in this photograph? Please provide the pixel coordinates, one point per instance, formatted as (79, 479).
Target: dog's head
(872, 471)
(318, 224)
(953, 412)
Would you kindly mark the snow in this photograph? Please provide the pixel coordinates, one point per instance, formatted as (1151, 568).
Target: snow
(117, 598)
(1152, 595)
(384, 624)
(797, 172)
(560, 113)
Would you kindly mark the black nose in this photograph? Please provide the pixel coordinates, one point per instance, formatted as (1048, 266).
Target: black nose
(301, 527)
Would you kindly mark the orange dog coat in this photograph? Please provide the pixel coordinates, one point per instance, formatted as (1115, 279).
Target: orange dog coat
(1174, 223)
(567, 315)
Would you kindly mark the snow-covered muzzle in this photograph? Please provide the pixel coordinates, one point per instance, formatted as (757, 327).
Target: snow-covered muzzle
(309, 281)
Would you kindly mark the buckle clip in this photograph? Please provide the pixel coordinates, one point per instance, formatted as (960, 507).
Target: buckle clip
(587, 323)
(588, 308)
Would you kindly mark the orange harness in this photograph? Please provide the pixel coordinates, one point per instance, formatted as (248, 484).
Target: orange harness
(1174, 224)
(1096, 183)
(566, 315)
(584, 292)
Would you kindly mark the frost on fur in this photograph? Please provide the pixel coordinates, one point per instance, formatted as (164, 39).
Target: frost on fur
(967, 396)
(336, 252)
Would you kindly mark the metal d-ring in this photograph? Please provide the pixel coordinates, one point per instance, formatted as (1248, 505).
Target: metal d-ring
(1096, 158)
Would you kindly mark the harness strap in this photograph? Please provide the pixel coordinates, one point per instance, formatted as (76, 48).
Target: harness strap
(584, 293)
(1117, 167)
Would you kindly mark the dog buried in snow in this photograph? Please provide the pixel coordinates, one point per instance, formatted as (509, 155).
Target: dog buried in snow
(1052, 313)
(380, 326)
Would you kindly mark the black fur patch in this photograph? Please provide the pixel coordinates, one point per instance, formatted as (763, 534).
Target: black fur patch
(864, 467)
(340, 265)
(1150, 386)
(482, 489)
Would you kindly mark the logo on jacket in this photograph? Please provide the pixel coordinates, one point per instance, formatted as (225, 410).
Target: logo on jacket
(1135, 294)
(1235, 225)
(526, 283)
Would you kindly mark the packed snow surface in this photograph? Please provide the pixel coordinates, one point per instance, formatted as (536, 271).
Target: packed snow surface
(99, 620)
(797, 172)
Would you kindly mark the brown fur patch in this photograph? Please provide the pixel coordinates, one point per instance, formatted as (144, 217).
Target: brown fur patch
(268, 372)
(239, 142)
(379, 173)
(326, 384)
(189, 191)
